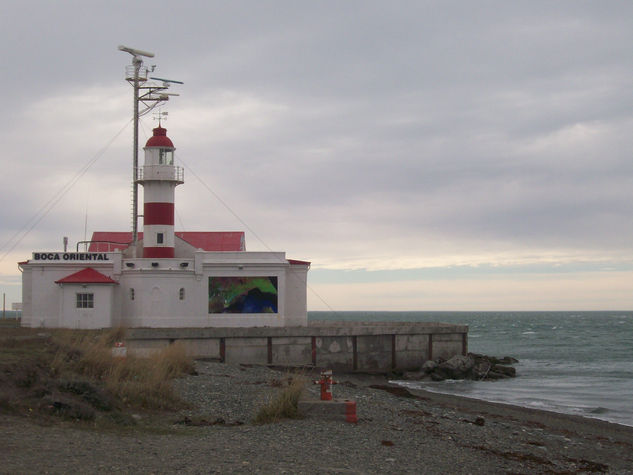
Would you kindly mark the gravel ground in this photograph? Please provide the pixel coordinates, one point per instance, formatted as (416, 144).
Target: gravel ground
(426, 433)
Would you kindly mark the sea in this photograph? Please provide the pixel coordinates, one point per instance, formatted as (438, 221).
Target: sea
(569, 362)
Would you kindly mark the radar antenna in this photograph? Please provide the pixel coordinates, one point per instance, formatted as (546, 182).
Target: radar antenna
(167, 81)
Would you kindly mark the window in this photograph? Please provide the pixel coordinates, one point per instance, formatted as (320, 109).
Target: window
(159, 238)
(181, 293)
(85, 300)
(165, 157)
(131, 294)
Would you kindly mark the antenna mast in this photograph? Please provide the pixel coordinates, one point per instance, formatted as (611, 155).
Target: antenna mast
(151, 96)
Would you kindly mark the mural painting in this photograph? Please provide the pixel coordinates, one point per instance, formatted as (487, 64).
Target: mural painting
(243, 294)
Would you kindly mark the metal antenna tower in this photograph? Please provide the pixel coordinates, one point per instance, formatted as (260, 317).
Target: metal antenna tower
(150, 95)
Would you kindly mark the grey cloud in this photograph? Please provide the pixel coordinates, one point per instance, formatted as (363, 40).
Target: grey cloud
(491, 120)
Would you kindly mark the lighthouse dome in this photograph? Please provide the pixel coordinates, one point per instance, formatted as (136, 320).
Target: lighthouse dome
(159, 139)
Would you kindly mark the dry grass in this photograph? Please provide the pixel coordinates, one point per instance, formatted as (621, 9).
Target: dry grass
(73, 374)
(137, 382)
(146, 382)
(284, 404)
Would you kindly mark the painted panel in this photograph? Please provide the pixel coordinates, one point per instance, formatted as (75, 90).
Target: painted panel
(243, 294)
(158, 213)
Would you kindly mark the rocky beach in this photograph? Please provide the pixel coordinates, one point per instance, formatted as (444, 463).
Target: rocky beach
(398, 431)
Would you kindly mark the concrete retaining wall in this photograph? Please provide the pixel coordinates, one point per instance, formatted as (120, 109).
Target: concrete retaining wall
(341, 346)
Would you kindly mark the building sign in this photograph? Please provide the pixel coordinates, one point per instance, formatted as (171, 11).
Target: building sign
(243, 294)
(70, 256)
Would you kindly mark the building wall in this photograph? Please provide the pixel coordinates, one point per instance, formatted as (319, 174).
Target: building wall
(156, 290)
(156, 301)
(27, 296)
(296, 295)
(156, 284)
(100, 316)
(43, 298)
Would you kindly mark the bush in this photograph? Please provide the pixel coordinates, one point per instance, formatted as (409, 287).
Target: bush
(284, 404)
(137, 382)
(146, 382)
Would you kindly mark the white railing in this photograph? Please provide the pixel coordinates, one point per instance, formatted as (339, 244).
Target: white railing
(129, 73)
(160, 172)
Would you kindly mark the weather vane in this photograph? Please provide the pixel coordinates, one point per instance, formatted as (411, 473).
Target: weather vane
(160, 116)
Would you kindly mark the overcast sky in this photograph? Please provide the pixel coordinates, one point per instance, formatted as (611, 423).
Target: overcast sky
(422, 155)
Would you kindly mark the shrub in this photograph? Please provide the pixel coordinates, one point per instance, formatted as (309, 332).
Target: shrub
(146, 382)
(284, 404)
(137, 382)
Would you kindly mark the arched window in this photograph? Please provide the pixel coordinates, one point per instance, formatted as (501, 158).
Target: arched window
(131, 294)
(181, 293)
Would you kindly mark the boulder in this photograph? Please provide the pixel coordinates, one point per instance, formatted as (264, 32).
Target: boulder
(493, 375)
(458, 367)
(429, 366)
(471, 366)
(438, 375)
(481, 368)
(413, 375)
(508, 371)
(506, 360)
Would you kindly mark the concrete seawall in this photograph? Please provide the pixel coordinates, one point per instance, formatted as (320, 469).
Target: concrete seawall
(341, 346)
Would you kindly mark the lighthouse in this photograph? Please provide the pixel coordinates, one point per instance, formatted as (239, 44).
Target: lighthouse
(159, 177)
(183, 279)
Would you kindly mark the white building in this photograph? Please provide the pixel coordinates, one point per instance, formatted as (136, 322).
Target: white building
(168, 279)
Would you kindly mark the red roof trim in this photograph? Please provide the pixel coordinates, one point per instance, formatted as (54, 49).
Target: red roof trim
(218, 241)
(295, 262)
(207, 241)
(86, 276)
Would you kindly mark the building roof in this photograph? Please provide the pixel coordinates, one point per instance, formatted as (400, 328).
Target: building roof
(86, 276)
(160, 139)
(296, 262)
(104, 241)
(214, 241)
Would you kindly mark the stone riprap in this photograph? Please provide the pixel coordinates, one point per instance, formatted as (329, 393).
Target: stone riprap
(471, 366)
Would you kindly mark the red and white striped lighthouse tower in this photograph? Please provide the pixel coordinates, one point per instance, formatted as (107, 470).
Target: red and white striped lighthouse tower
(159, 177)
